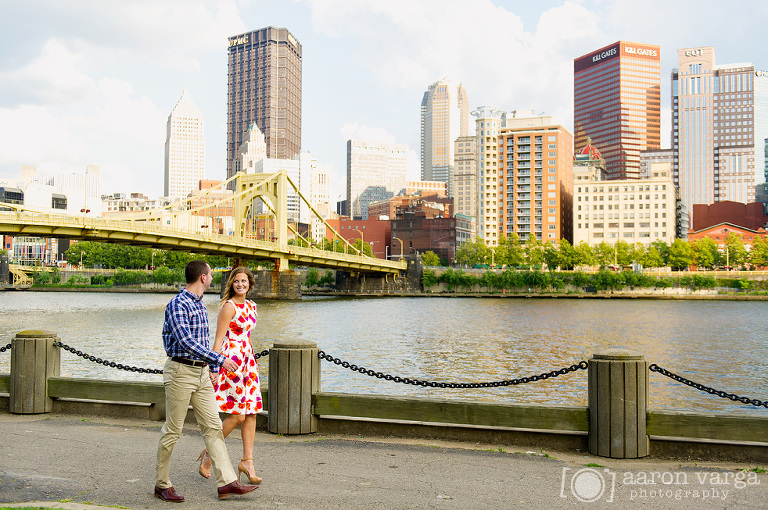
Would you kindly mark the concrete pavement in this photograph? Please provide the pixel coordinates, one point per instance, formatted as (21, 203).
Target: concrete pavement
(67, 462)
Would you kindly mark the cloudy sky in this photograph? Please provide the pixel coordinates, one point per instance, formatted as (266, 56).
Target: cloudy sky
(93, 81)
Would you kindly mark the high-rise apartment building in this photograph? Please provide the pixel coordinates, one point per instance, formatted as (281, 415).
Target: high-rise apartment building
(719, 129)
(264, 86)
(465, 176)
(488, 123)
(535, 178)
(444, 117)
(375, 171)
(184, 149)
(617, 103)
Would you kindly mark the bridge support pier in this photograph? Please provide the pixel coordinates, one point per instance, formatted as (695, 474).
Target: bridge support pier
(360, 283)
(276, 285)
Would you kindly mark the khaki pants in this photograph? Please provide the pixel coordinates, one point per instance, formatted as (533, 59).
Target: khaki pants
(185, 385)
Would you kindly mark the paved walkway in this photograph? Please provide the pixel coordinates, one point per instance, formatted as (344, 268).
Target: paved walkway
(72, 463)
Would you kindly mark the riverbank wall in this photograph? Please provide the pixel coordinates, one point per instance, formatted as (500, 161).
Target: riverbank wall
(616, 423)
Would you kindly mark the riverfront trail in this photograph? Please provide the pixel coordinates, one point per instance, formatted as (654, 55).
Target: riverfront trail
(71, 462)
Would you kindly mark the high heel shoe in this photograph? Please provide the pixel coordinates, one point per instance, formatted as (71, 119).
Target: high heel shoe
(204, 472)
(242, 470)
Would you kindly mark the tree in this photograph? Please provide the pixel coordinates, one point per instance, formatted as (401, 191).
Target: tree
(312, 277)
(663, 250)
(637, 253)
(472, 252)
(604, 254)
(705, 252)
(653, 258)
(758, 255)
(534, 252)
(430, 258)
(622, 253)
(567, 254)
(680, 254)
(736, 251)
(163, 275)
(583, 255)
(327, 279)
(552, 256)
(509, 251)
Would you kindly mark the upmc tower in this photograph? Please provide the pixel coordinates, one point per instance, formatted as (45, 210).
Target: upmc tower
(264, 86)
(617, 103)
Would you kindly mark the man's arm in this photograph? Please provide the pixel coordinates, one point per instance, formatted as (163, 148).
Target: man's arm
(179, 318)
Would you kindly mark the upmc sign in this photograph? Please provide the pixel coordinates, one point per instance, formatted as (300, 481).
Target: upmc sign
(608, 53)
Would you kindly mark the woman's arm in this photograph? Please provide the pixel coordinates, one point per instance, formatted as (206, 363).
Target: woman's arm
(226, 314)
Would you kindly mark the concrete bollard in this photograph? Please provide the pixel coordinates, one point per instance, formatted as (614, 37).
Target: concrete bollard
(618, 401)
(33, 360)
(294, 376)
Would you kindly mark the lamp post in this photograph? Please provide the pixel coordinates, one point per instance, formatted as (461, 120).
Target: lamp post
(361, 240)
(401, 246)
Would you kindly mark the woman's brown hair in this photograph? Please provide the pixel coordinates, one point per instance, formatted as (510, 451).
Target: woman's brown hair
(229, 292)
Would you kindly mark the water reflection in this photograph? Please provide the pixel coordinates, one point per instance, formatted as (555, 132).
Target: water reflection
(721, 344)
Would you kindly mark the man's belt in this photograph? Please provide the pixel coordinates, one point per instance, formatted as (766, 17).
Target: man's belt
(185, 361)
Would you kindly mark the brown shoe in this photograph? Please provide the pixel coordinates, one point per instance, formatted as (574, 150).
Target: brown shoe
(168, 494)
(235, 488)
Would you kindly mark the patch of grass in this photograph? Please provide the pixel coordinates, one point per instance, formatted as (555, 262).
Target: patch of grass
(502, 450)
(593, 464)
(756, 470)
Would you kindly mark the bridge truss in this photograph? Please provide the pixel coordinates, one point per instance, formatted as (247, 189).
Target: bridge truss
(215, 222)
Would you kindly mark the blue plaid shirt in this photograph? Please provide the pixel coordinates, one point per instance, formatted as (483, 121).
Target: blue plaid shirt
(185, 330)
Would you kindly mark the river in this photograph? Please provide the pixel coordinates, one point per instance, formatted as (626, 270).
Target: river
(722, 344)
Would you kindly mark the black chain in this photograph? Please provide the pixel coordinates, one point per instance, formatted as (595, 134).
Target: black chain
(261, 354)
(417, 382)
(744, 400)
(6, 348)
(107, 363)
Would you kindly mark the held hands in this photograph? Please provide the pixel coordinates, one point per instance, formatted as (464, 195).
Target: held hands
(229, 365)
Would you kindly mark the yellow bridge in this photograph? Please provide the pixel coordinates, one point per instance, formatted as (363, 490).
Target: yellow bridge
(176, 227)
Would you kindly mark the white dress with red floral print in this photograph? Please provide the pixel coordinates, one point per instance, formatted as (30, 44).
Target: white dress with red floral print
(239, 392)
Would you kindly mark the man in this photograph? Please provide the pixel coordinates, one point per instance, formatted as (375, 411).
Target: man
(185, 377)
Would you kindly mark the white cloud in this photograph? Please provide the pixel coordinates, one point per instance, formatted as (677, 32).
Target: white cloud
(408, 45)
(54, 76)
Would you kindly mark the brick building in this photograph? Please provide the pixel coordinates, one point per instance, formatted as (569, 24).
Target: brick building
(750, 216)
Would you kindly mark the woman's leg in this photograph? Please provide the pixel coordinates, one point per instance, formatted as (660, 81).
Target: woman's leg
(229, 424)
(248, 432)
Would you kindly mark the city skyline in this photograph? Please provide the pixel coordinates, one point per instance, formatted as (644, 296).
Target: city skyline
(102, 78)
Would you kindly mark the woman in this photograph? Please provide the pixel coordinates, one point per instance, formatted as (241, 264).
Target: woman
(238, 393)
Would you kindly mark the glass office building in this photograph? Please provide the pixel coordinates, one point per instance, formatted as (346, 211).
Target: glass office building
(617, 103)
(719, 128)
(264, 86)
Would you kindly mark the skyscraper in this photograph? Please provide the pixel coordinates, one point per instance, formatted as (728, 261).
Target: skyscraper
(444, 117)
(184, 149)
(617, 103)
(719, 129)
(375, 171)
(264, 86)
